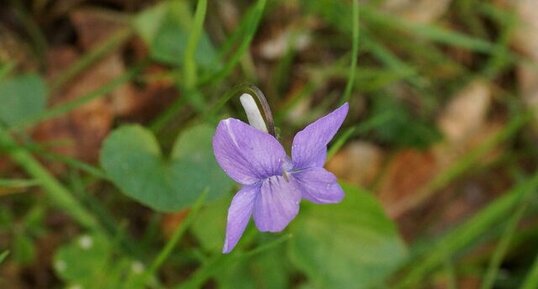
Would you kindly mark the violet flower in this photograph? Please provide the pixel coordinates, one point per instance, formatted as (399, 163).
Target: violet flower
(272, 184)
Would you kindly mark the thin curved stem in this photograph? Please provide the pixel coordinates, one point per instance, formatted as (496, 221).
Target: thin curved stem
(267, 114)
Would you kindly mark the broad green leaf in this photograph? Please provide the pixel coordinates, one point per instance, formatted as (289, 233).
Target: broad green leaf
(132, 159)
(166, 27)
(347, 245)
(81, 260)
(21, 98)
(89, 262)
(210, 225)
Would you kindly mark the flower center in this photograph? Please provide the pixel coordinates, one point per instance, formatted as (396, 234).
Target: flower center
(287, 166)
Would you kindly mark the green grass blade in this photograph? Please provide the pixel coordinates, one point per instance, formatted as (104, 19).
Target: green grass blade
(357, 130)
(65, 107)
(249, 26)
(354, 53)
(109, 45)
(500, 59)
(466, 234)
(190, 67)
(340, 141)
(160, 121)
(464, 164)
(3, 256)
(502, 247)
(451, 38)
(59, 194)
(219, 261)
(392, 62)
(531, 281)
(18, 183)
(428, 31)
(174, 240)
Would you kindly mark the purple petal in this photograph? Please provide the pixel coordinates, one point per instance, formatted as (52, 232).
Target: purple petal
(246, 154)
(238, 215)
(309, 147)
(276, 205)
(318, 185)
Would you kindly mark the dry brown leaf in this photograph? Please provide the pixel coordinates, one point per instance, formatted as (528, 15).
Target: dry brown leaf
(80, 132)
(464, 124)
(14, 50)
(357, 163)
(287, 32)
(526, 41)
(170, 222)
(279, 44)
(405, 185)
(146, 104)
(419, 11)
(527, 31)
(408, 172)
(95, 26)
(466, 112)
(467, 282)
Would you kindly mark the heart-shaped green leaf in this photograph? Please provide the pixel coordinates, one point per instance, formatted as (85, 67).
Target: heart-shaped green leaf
(21, 98)
(165, 28)
(132, 159)
(348, 245)
(76, 262)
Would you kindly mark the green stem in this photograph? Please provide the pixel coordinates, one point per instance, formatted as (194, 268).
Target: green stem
(357, 130)
(164, 118)
(189, 68)
(206, 271)
(504, 243)
(174, 240)
(253, 20)
(249, 26)
(56, 192)
(354, 52)
(218, 261)
(32, 29)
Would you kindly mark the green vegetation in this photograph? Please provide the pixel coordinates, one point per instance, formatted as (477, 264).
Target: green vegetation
(107, 172)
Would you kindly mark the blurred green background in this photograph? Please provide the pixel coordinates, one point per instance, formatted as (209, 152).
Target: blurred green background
(108, 107)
